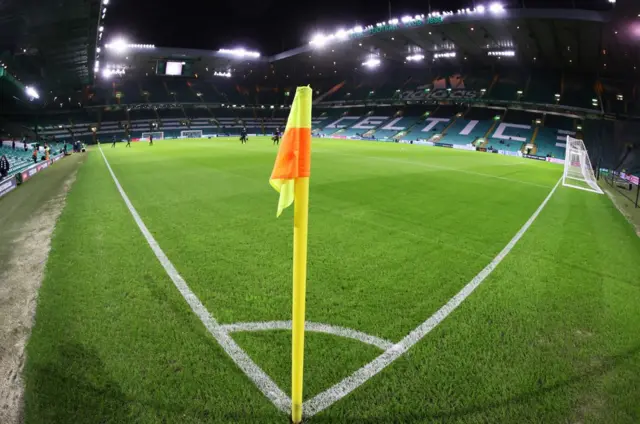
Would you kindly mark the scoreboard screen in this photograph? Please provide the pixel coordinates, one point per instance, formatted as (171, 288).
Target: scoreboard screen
(174, 68)
(181, 68)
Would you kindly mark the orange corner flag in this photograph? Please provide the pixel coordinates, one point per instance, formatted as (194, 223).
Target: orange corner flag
(294, 155)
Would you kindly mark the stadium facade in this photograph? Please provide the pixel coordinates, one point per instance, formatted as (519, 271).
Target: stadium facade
(514, 81)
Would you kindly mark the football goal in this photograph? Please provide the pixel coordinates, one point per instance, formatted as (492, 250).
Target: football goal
(191, 134)
(157, 135)
(578, 172)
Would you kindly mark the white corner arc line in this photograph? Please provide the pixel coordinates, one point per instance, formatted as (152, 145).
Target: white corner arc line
(314, 327)
(355, 380)
(264, 383)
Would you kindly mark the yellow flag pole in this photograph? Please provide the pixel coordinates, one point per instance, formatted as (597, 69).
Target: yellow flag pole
(300, 232)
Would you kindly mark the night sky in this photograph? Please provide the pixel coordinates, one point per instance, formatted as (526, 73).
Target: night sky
(268, 26)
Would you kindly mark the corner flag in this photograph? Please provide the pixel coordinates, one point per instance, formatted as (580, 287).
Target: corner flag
(290, 177)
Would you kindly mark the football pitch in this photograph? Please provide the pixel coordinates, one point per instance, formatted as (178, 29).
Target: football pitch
(443, 286)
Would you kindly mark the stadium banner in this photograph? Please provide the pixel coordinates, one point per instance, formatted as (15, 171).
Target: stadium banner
(464, 147)
(631, 178)
(534, 157)
(450, 146)
(481, 149)
(556, 160)
(8, 185)
(339, 137)
(427, 93)
(34, 169)
(510, 153)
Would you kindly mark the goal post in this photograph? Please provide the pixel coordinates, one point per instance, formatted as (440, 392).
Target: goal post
(191, 134)
(158, 135)
(578, 172)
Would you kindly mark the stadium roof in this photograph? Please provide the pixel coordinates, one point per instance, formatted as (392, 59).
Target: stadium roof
(52, 41)
(591, 40)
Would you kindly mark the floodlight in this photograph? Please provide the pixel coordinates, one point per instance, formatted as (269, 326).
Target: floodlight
(105, 1)
(480, 9)
(415, 57)
(119, 45)
(241, 53)
(31, 92)
(106, 73)
(372, 63)
(496, 8)
(101, 29)
(341, 34)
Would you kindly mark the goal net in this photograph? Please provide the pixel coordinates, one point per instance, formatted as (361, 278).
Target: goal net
(157, 135)
(191, 134)
(578, 172)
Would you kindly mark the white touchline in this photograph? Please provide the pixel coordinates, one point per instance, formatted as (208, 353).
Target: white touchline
(355, 380)
(267, 386)
(313, 327)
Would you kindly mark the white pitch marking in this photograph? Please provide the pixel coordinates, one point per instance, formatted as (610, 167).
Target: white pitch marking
(267, 386)
(355, 380)
(312, 327)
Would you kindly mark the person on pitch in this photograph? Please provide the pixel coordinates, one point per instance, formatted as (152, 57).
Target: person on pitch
(243, 136)
(114, 141)
(276, 136)
(128, 141)
(150, 139)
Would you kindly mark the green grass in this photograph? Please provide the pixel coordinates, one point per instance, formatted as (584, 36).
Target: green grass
(395, 232)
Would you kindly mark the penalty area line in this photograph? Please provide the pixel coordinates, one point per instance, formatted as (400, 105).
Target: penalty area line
(264, 383)
(327, 398)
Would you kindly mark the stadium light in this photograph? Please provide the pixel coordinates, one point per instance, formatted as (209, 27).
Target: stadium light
(31, 92)
(371, 63)
(480, 9)
(222, 74)
(415, 58)
(502, 53)
(101, 29)
(444, 55)
(105, 1)
(239, 53)
(496, 8)
(119, 45)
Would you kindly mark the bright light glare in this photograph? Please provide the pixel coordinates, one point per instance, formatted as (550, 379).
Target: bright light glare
(239, 53)
(119, 45)
(372, 63)
(222, 74)
(505, 53)
(496, 8)
(31, 92)
(480, 9)
(415, 57)
(446, 54)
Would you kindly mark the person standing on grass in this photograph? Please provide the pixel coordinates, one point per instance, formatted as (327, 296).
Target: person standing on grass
(150, 139)
(128, 141)
(114, 142)
(4, 167)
